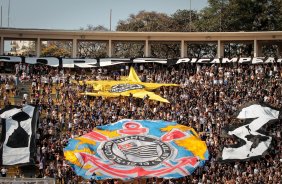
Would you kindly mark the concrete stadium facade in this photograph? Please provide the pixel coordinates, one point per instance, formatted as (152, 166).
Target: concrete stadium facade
(220, 38)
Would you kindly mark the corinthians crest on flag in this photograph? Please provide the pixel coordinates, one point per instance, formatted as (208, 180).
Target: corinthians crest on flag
(137, 148)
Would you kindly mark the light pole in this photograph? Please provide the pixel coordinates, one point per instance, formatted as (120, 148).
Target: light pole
(220, 16)
(190, 22)
(1, 15)
(9, 7)
(110, 19)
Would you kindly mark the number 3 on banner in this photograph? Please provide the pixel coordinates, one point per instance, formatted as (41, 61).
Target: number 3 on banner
(253, 143)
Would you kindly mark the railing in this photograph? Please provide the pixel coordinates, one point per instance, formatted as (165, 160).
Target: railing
(27, 180)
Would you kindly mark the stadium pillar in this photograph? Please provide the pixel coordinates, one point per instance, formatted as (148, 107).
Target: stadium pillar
(2, 46)
(110, 48)
(38, 47)
(74, 48)
(257, 49)
(147, 49)
(183, 49)
(220, 49)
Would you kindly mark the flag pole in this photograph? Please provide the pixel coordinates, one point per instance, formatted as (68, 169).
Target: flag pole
(9, 7)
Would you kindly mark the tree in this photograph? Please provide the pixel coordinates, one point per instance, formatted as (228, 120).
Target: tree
(202, 50)
(241, 15)
(93, 49)
(251, 15)
(90, 27)
(181, 21)
(213, 17)
(236, 49)
(145, 22)
(165, 49)
(54, 50)
(128, 49)
(30, 49)
(85, 48)
(151, 22)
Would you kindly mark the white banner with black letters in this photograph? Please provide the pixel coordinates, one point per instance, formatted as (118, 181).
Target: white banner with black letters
(18, 134)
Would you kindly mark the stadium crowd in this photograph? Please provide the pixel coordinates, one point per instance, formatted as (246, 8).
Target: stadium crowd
(206, 100)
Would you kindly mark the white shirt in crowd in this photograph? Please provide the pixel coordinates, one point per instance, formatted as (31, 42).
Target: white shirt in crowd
(25, 96)
(7, 86)
(3, 170)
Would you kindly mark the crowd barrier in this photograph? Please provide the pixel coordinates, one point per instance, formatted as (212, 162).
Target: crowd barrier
(27, 180)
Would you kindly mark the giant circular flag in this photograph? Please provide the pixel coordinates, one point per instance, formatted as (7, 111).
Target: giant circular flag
(137, 148)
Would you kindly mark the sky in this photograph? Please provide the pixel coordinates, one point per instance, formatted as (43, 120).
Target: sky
(76, 14)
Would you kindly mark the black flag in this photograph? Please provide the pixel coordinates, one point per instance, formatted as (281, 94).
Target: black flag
(252, 141)
(18, 134)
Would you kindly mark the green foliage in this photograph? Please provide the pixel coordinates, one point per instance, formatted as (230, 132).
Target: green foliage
(238, 50)
(90, 27)
(182, 22)
(30, 49)
(146, 21)
(55, 51)
(165, 49)
(213, 17)
(153, 21)
(219, 15)
(128, 49)
(202, 50)
(262, 15)
(241, 15)
(92, 49)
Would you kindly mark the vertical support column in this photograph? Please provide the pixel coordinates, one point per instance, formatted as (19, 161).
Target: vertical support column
(147, 48)
(2, 46)
(220, 49)
(74, 48)
(257, 49)
(259, 45)
(110, 48)
(183, 49)
(38, 47)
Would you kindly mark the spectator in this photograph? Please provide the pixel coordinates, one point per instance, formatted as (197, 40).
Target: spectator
(3, 172)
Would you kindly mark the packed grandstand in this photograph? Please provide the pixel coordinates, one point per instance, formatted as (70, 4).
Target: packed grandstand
(206, 99)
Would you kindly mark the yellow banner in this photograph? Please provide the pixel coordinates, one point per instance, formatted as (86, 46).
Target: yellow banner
(131, 85)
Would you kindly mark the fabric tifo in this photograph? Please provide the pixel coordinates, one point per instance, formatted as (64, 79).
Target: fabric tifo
(137, 148)
(19, 125)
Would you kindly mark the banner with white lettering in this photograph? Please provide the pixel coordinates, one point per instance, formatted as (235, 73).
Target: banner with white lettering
(102, 62)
